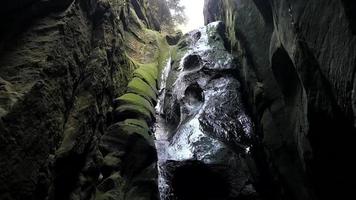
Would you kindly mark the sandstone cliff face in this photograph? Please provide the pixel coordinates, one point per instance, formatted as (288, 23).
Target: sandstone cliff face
(297, 61)
(62, 64)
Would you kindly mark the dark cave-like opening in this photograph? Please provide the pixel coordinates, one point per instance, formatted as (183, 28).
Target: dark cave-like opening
(196, 180)
(350, 6)
(295, 144)
(194, 95)
(192, 62)
(286, 75)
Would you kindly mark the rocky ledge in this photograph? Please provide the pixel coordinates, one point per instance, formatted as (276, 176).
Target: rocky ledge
(68, 71)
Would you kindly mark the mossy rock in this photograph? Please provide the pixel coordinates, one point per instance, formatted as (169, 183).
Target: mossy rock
(152, 69)
(134, 99)
(130, 129)
(111, 188)
(146, 76)
(138, 122)
(127, 128)
(132, 111)
(111, 163)
(138, 86)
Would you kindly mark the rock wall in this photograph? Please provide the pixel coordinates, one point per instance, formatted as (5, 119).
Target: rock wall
(297, 62)
(62, 64)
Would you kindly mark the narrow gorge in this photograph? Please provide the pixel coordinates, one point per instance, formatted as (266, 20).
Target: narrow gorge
(104, 100)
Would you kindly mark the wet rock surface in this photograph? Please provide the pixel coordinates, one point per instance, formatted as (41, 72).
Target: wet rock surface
(204, 152)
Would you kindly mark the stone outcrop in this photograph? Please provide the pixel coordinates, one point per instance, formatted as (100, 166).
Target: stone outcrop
(203, 134)
(62, 65)
(297, 64)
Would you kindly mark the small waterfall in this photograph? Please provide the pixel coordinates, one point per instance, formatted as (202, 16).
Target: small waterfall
(202, 155)
(161, 140)
(162, 85)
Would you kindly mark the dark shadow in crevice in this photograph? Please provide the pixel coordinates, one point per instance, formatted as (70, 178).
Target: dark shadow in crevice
(266, 10)
(286, 75)
(291, 136)
(66, 170)
(350, 8)
(331, 133)
(192, 62)
(195, 180)
(194, 94)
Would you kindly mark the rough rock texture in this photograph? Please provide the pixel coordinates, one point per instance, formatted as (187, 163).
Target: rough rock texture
(203, 153)
(62, 64)
(297, 63)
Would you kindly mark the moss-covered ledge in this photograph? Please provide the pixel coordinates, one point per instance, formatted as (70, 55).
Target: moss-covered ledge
(129, 139)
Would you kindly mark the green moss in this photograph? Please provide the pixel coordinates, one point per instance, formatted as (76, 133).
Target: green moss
(161, 42)
(136, 20)
(150, 68)
(112, 160)
(143, 89)
(146, 76)
(134, 99)
(72, 127)
(147, 54)
(130, 129)
(163, 48)
(111, 188)
(149, 71)
(139, 122)
(139, 111)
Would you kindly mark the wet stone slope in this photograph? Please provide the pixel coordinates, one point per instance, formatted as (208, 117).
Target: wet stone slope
(203, 134)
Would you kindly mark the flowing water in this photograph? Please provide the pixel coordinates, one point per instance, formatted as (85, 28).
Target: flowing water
(201, 154)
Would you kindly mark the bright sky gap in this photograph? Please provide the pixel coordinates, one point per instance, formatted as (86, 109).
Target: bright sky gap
(194, 13)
